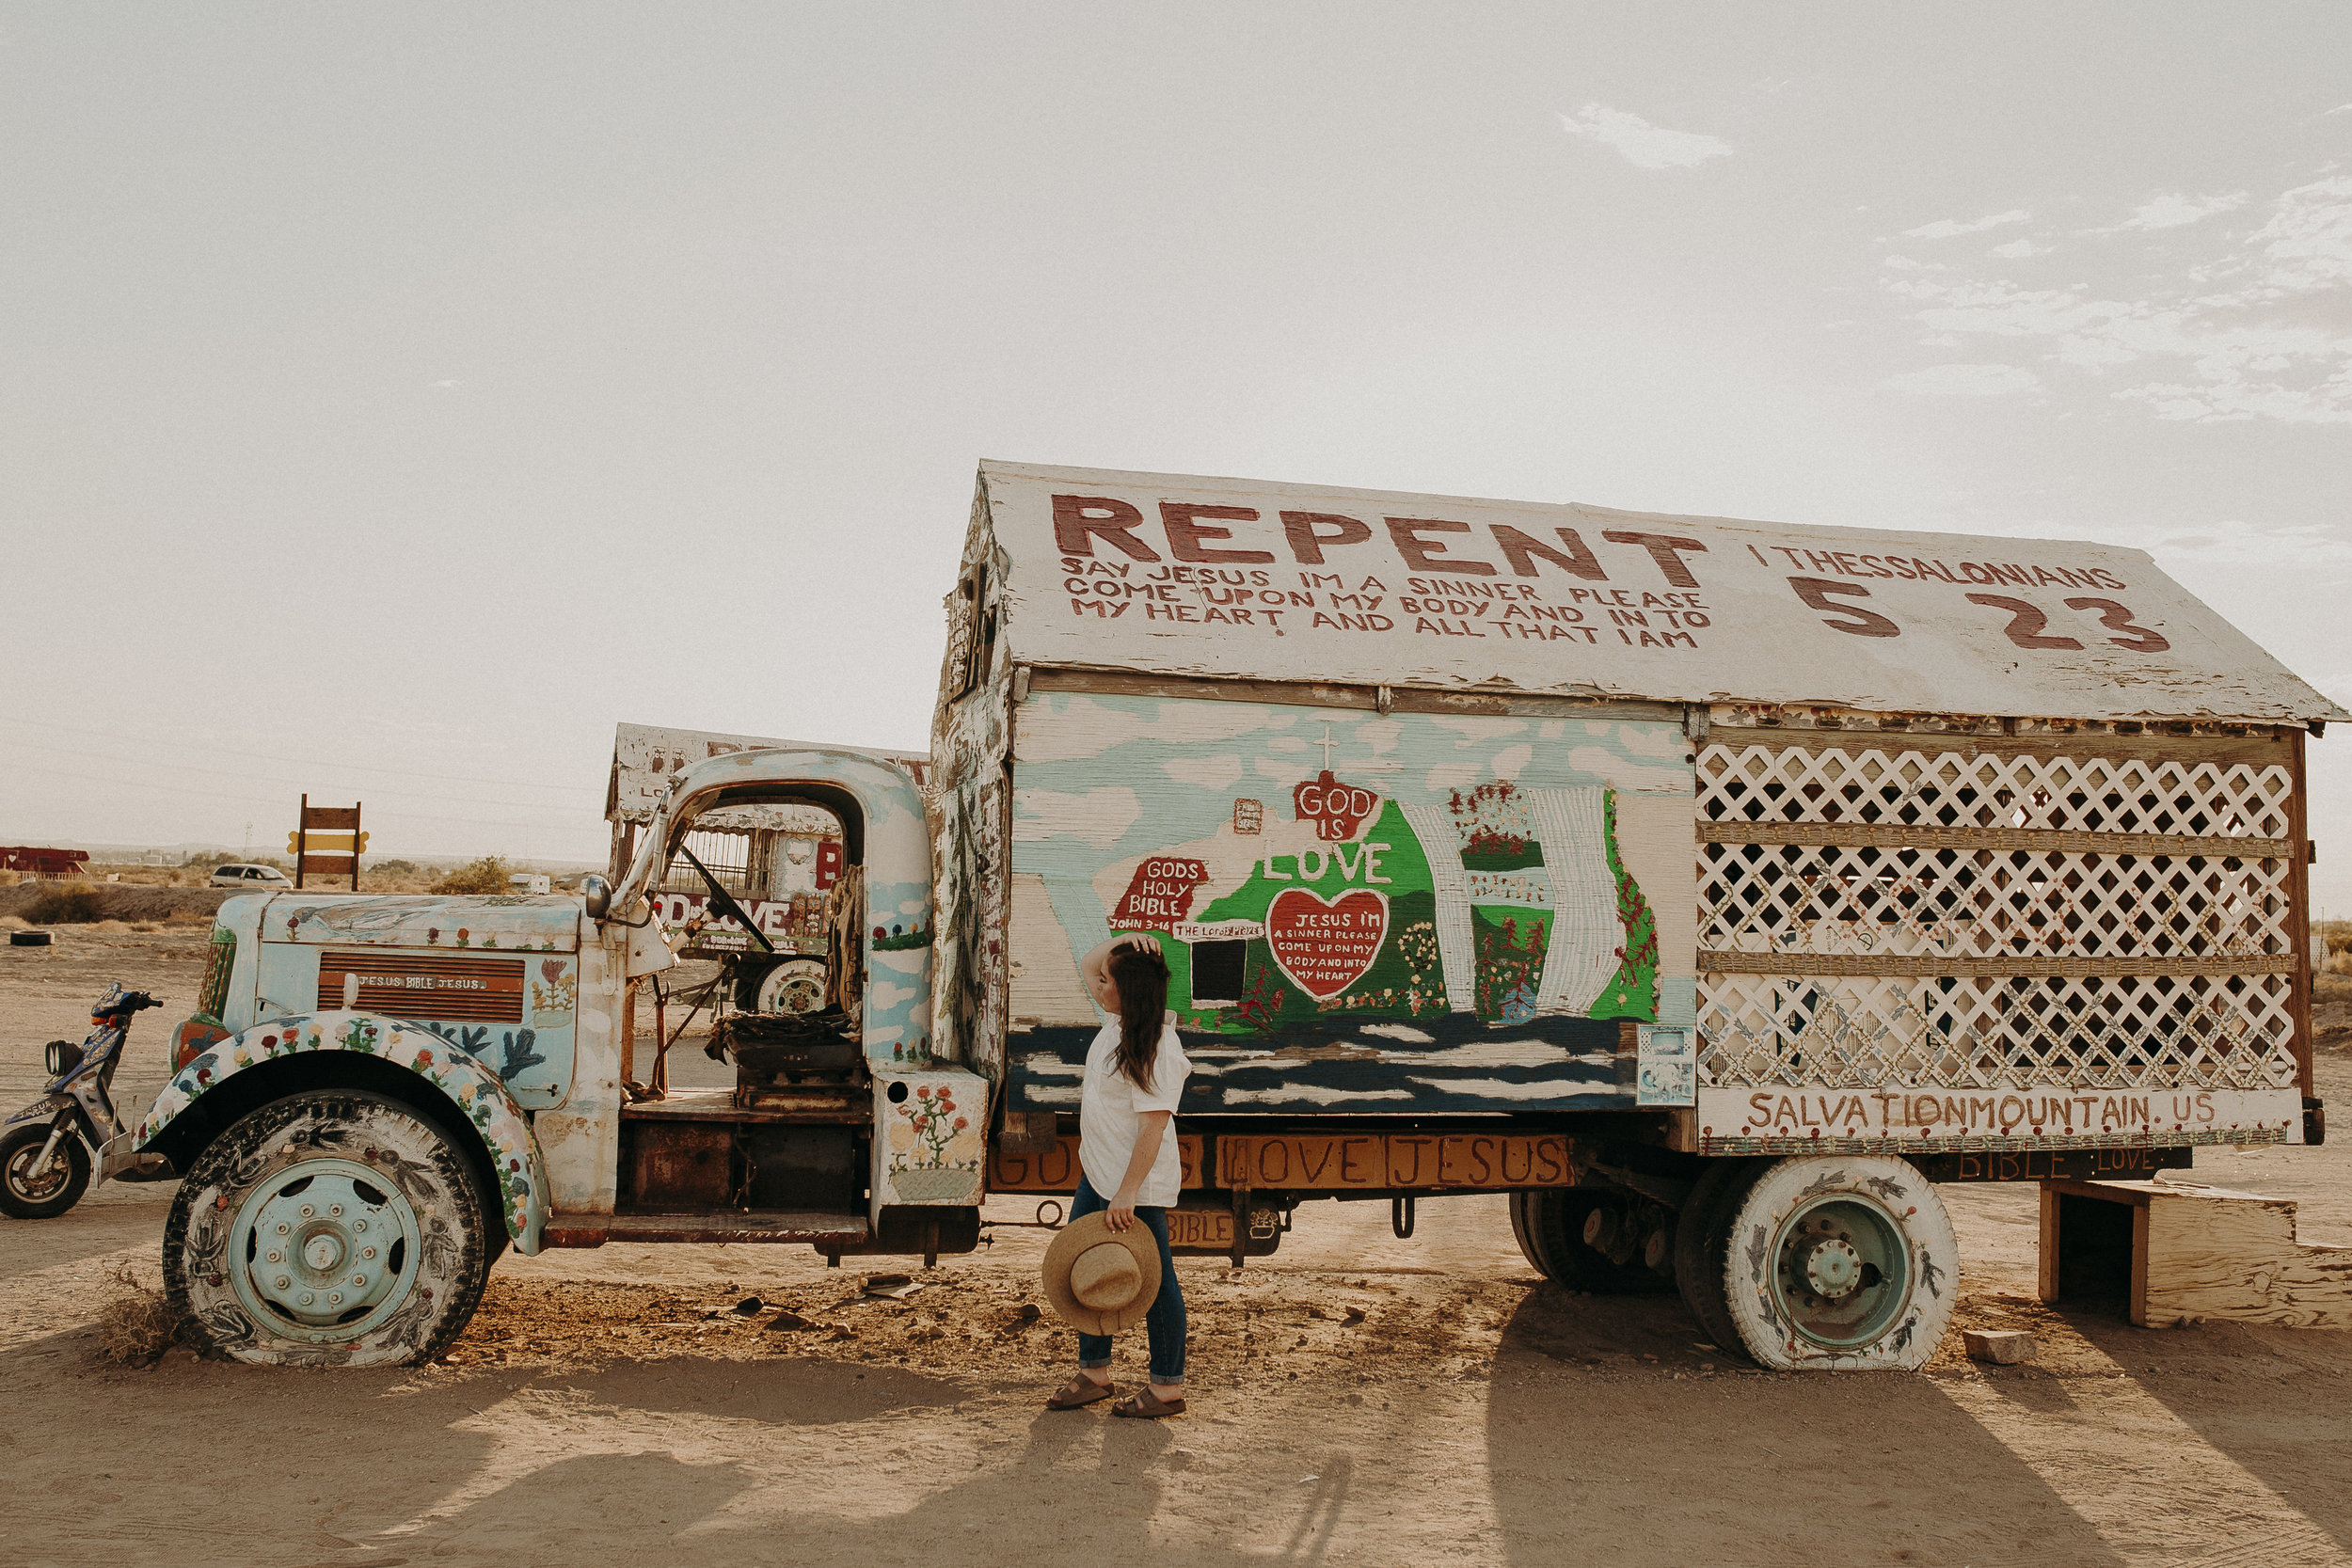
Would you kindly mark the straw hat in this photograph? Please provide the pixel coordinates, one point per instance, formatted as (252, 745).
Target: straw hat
(1100, 1281)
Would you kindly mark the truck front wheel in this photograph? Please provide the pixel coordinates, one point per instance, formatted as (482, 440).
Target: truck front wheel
(329, 1229)
(1838, 1263)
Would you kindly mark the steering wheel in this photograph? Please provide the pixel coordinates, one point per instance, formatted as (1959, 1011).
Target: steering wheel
(726, 902)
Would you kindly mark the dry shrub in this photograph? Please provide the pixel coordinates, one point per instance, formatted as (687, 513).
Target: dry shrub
(14, 923)
(136, 1325)
(67, 905)
(187, 917)
(147, 927)
(487, 874)
(10, 879)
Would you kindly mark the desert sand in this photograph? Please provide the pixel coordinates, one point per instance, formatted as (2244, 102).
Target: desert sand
(1356, 1399)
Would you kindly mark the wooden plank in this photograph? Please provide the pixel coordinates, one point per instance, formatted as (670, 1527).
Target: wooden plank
(2205, 1254)
(1374, 1162)
(1342, 695)
(345, 818)
(1893, 835)
(2260, 746)
(2138, 1307)
(2298, 919)
(2047, 1285)
(1056, 1170)
(1940, 966)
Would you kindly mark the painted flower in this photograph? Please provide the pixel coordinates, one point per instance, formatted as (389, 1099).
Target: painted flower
(923, 1090)
(961, 1124)
(424, 1058)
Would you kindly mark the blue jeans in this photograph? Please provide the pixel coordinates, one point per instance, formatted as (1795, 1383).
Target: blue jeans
(1165, 1324)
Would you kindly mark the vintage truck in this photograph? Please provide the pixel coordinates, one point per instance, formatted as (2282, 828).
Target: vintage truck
(1713, 889)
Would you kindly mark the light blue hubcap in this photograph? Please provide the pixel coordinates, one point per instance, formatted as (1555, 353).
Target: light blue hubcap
(1841, 1271)
(327, 1248)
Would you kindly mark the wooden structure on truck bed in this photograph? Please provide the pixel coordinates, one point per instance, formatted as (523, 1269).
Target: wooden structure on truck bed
(1814, 840)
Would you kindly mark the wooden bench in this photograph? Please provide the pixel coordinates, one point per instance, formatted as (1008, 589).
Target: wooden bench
(2193, 1253)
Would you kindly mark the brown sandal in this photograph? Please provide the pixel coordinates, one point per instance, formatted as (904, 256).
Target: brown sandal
(1147, 1406)
(1082, 1390)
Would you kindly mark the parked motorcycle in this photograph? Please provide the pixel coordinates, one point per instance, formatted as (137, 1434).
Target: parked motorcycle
(46, 1148)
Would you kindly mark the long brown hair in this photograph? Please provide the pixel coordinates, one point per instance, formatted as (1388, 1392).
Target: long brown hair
(1141, 975)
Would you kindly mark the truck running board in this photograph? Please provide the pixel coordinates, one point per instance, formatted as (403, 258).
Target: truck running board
(846, 1232)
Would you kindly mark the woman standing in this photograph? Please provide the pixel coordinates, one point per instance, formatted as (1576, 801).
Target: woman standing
(1134, 1074)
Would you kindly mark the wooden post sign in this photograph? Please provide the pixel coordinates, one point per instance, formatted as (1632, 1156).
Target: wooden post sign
(329, 841)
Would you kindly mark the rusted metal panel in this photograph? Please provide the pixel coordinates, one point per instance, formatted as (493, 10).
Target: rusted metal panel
(479, 990)
(1175, 575)
(734, 1225)
(678, 1164)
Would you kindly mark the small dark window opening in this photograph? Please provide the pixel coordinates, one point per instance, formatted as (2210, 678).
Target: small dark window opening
(1217, 972)
(983, 630)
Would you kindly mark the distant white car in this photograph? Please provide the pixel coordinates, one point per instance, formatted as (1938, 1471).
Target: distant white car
(250, 876)
(526, 881)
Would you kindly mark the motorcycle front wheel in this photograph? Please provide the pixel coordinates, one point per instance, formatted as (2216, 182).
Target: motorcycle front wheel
(27, 1193)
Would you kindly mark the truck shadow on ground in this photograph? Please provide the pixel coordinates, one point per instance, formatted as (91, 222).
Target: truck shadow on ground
(2272, 1399)
(1736, 1464)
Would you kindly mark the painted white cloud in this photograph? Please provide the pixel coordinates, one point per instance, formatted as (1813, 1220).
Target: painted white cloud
(1082, 727)
(1099, 816)
(1217, 772)
(2017, 250)
(2175, 210)
(884, 995)
(1511, 759)
(1642, 144)
(2246, 326)
(1944, 229)
(1974, 381)
(1453, 775)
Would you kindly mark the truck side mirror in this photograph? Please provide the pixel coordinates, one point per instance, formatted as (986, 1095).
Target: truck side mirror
(596, 893)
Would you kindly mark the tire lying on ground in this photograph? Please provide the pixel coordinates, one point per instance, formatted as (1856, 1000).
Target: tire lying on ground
(334, 1228)
(1836, 1263)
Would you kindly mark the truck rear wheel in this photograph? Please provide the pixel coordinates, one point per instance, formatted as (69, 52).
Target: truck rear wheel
(1839, 1263)
(1552, 1224)
(327, 1228)
(1702, 1232)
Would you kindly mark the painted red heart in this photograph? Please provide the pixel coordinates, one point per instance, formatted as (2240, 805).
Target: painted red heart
(1326, 945)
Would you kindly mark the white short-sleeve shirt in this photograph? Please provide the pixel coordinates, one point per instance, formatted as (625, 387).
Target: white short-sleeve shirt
(1110, 1118)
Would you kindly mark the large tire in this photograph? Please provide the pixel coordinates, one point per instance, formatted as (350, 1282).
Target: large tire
(334, 1229)
(1845, 1263)
(1549, 1225)
(57, 1188)
(1702, 1232)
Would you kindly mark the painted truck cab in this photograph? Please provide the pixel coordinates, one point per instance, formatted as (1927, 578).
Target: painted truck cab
(445, 1076)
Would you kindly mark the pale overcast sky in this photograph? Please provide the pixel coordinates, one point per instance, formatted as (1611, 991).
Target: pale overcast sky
(392, 398)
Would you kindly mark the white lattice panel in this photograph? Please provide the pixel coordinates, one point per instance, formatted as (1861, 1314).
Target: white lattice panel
(2136, 1032)
(1989, 903)
(1761, 783)
(2115, 1031)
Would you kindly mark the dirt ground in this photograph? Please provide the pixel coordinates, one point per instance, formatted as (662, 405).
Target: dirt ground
(1357, 1398)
